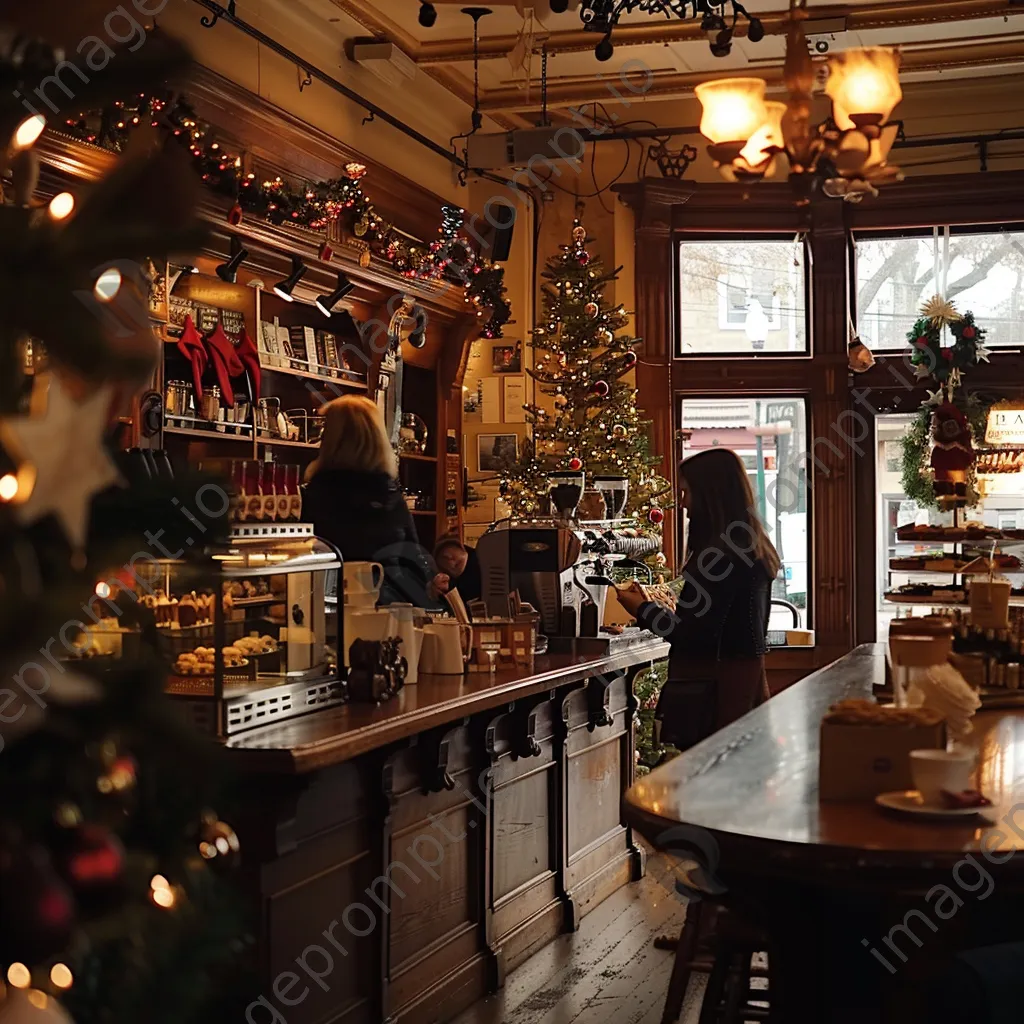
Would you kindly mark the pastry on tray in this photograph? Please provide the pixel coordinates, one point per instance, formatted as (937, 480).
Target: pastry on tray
(928, 563)
(925, 591)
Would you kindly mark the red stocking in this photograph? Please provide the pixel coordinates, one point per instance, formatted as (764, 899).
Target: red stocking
(250, 359)
(225, 362)
(191, 346)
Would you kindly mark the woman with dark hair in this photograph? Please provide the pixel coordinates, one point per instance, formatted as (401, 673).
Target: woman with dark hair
(719, 626)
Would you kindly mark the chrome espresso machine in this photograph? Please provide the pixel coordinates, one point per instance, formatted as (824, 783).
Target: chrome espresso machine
(562, 567)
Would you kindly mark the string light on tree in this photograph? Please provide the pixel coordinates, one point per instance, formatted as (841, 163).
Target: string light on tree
(581, 366)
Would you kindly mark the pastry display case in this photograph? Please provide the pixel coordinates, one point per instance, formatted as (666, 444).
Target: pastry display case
(243, 627)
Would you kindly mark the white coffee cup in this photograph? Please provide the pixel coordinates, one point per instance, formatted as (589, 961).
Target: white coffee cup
(936, 770)
(362, 580)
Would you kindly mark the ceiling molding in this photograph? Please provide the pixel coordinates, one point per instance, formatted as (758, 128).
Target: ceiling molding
(674, 84)
(859, 17)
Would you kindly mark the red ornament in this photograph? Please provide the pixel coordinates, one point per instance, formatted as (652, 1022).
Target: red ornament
(656, 516)
(583, 259)
(601, 388)
(235, 215)
(629, 360)
(921, 342)
(39, 910)
(968, 332)
(326, 252)
(575, 463)
(93, 865)
(947, 354)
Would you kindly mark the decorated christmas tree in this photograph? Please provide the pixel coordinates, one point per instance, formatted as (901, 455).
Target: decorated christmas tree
(112, 910)
(584, 366)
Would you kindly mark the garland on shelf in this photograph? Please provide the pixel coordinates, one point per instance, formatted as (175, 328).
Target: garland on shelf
(937, 453)
(314, 206)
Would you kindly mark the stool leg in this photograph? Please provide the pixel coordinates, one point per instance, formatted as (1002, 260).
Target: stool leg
(712, 1005)
(685, 950)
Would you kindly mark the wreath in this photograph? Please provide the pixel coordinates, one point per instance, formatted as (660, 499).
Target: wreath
(931, 357)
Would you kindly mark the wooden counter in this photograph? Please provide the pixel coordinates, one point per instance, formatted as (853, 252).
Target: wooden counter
(330, 737)
(403, 858)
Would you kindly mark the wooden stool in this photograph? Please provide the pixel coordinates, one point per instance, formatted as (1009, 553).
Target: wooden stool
(729, 997)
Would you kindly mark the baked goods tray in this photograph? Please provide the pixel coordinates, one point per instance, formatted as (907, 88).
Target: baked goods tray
(1016, 600)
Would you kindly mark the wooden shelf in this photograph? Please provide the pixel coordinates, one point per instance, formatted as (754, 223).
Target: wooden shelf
(207, 435)
(356, 385)
(281, 442)
(412, 457)
(423, 512)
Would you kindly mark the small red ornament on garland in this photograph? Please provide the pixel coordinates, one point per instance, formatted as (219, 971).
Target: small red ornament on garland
(601, 388)
(591, 309)
(235, 215)
(583, 259)
(629, 360)
(656, 516)
(575, 464)
(93, 865)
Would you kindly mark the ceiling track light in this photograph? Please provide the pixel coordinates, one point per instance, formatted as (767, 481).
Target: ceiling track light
(283, 289)
(326, 303)
(428, 14)
(228, 272)
(718, 18)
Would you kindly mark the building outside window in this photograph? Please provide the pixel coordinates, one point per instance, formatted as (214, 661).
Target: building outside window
(742, 297)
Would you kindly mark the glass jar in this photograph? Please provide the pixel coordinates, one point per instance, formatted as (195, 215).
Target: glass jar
(211, 404)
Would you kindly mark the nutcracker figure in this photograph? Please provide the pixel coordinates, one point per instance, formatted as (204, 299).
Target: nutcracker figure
(952, 455)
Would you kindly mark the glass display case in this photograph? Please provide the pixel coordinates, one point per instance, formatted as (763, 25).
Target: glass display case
(244, 628)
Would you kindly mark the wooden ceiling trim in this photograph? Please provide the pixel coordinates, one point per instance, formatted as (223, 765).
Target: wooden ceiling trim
(859, 17)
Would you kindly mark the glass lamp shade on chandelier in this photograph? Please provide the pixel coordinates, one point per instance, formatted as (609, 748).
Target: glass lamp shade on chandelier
(847, 155)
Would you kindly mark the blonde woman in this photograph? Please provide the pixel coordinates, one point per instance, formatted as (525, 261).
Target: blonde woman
(354, 500)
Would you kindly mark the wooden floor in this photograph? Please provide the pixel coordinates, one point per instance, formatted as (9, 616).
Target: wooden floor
(606, 973)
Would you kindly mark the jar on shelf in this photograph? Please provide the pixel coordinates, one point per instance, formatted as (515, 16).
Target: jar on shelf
(211, 404)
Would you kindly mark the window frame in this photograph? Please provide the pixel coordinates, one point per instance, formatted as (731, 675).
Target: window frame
(918, 231)
(680, 238)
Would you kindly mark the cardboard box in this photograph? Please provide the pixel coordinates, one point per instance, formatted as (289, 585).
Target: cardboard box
(857, 762)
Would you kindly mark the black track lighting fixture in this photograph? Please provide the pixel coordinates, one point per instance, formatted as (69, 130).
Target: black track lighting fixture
(428, 14)
(228, 272)
(283, 289)
(755, 30)
(559, 6)
(326, 303)
(604, 49)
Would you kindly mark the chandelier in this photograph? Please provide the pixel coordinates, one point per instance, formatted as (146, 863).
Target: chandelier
(718, 19)
(846, 155)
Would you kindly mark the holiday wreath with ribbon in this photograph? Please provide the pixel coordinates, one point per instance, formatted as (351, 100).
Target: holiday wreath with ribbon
(938, 450)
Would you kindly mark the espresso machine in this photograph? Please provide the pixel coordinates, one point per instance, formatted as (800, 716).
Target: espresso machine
(556, 564)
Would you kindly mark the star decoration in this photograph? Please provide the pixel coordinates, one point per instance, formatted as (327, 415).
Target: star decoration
(935, 398)
(66, 449)
(982, 353)
(921, 371)
(940, 311)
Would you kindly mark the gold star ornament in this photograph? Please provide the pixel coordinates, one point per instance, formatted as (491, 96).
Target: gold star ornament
(940, 311)
(64, 448)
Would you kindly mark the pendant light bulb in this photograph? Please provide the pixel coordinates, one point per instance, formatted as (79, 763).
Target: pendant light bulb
(28, 132)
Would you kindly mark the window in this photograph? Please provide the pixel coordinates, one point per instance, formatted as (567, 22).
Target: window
(895, 274)
(742, 297)
(770, 437)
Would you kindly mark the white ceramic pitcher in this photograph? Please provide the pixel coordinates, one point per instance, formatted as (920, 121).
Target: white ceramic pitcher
(447, 647)
(362, 582)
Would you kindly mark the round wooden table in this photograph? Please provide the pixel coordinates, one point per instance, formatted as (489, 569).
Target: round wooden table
(842, 881)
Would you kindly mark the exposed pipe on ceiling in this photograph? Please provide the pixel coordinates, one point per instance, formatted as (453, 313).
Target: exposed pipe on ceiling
(228, 14)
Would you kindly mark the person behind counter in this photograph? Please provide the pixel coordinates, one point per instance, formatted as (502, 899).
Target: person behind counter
(354, 500)
(718, 631)
(462, 567)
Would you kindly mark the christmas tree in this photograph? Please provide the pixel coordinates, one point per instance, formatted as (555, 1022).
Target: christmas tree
(112, 911)
(584, 366)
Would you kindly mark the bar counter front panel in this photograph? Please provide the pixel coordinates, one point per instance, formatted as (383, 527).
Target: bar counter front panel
(406, 856)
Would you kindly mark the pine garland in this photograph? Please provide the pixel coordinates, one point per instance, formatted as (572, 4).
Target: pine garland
(314, 205)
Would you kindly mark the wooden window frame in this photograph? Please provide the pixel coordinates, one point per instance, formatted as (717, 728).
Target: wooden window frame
(842, 490)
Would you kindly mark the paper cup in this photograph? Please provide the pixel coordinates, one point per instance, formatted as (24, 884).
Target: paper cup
(990, 603)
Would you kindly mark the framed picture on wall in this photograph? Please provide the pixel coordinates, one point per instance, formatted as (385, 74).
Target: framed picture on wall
(495, 450)
(507, 358)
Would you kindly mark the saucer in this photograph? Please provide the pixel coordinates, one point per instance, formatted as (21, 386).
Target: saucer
(908, 801)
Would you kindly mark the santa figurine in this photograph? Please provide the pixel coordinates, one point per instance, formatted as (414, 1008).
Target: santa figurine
(952, 455)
